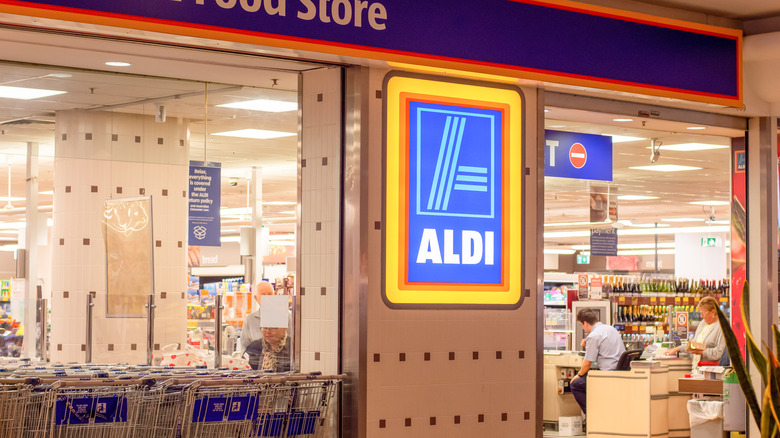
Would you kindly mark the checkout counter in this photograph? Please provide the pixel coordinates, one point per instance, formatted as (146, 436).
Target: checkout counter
(642, 402)
(559, 368)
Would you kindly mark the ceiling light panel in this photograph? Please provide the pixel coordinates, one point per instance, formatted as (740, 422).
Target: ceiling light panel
(635, 197)
(666, 168)
(258, 134)
(690, 147)
(623, 138)
(710, 203)
(23, 93)
(267, 105)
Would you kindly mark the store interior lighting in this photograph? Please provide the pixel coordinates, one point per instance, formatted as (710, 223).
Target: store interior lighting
(691, 147)
(23, 93)
(267, 105)
(665, 168)
(623, 138)
(640, 232)
(710, 203)
(635, 197)
(257, 134)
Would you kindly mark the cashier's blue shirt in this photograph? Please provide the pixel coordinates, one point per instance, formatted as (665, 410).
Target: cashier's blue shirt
(604, 346)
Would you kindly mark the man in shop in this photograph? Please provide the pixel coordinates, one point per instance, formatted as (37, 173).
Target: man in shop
(252, 329)
(603, 347)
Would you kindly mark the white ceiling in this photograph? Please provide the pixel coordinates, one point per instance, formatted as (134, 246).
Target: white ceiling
(240, 78)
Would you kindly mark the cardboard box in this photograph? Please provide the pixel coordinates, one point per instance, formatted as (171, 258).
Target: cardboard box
(569, 426)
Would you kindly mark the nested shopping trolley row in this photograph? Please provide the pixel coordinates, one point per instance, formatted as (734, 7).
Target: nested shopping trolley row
(166, 405)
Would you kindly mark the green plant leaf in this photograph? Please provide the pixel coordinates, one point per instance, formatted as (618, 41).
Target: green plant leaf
(776, 335)
(767, 421)
(739, 366)
(773, 386)
(755, 353)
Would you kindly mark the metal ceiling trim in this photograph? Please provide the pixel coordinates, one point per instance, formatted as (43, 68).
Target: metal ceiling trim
(639, 109)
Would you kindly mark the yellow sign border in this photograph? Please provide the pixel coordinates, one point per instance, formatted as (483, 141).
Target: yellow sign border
(396, 293)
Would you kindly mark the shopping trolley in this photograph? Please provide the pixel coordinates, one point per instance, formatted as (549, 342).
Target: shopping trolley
(90, 408)
(222, 407)
(14, 398)
(299, 406)
(159, 410)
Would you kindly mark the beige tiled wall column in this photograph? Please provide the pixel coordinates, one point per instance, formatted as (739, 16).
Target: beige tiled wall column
(320, 219)
(100, 156)
(444, 373)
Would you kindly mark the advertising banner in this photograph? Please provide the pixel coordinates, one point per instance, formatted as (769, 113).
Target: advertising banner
(603, 241)
(204, 203)
(453, 212)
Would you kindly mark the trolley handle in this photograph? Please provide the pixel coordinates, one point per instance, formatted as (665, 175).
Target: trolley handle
(97, 382)
(304, 377)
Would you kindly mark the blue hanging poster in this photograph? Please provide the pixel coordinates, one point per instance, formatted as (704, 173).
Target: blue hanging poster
(204, 203)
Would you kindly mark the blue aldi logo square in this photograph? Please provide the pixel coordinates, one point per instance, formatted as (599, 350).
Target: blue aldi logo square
(455, 190)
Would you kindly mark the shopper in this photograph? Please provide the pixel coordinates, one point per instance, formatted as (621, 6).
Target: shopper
(603, 347)
(708, 343)
(271, 352)
(250, 331)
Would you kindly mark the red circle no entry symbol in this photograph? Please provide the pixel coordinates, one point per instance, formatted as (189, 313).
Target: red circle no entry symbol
(578, 155)
(682, 319)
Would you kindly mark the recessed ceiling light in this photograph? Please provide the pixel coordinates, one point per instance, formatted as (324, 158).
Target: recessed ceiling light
(260, 134)
(710, 202)
(648, 225)
(267, 105)
(569, 224)
(647, 232)
(26, 93)
(696, 128)
(687, 147)
(635, 197)
(280, 203)
(118, 64)
(547, 111)
(623, 138)
(622, 120)
(59, 75)
(683, 219)
(558, 251)
(666, 168)
(645, 252)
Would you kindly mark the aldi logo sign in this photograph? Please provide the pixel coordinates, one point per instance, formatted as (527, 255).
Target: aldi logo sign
(456, 192)
(452, 208)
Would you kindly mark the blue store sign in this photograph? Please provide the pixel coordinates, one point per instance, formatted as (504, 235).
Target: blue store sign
(565, 42)
(204, 204)
(576, 155)
(455, 188)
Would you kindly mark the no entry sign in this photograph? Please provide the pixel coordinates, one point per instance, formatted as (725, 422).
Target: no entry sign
(578, 156)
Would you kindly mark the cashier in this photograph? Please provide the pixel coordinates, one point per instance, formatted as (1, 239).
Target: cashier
(708, 343)
(602, 346)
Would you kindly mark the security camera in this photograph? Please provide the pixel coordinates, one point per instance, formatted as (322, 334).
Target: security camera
(233, 182)
(655, 149)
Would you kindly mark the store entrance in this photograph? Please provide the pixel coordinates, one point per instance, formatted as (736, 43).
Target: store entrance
(638, 228)
(167, 185)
